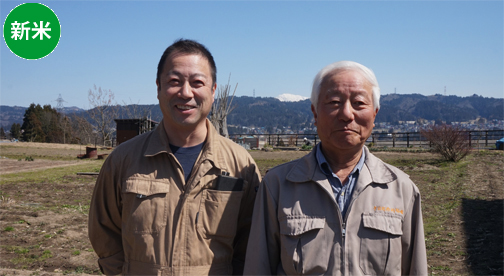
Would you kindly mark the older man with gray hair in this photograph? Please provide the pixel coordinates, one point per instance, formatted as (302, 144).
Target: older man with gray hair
(339, 210)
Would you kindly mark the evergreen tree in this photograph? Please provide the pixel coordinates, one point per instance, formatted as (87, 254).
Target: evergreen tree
(15, 131)
(32, 125)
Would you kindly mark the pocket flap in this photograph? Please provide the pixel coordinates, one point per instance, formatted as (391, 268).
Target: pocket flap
(296, 225)
(146, 187)
(384, 222)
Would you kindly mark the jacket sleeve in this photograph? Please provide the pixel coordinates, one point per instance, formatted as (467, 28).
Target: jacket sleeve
(414, 254)
(263, 252)
(104, 225)
(253, 177)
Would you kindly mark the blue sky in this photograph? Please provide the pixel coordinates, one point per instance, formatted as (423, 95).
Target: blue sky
(272, 47)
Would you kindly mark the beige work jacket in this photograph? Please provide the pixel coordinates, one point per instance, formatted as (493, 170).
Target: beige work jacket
(297, 228)
(145, 220)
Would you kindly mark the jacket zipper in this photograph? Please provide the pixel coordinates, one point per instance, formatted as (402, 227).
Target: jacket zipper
(187, 189)
(183, 199)
(343, 231)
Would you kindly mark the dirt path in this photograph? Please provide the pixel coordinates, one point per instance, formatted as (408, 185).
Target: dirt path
(14, 166)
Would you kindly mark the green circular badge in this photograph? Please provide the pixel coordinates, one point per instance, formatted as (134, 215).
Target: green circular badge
(32, 31)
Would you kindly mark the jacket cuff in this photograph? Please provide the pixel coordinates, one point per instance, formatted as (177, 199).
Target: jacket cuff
(112, 265)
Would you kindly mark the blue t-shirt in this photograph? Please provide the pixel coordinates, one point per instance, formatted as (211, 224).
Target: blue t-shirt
(187, 157)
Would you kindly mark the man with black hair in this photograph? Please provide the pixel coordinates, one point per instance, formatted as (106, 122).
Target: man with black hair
(177, 200)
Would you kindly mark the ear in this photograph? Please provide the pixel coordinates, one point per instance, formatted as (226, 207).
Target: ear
(314, 111)
(158, 88)
(213, 91)
(374, 116)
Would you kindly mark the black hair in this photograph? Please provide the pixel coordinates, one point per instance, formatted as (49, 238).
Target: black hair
(187, 46)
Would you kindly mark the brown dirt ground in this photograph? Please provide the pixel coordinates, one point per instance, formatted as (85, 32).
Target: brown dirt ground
(47, 222)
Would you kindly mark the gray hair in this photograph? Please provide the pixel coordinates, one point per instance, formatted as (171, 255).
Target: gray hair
(346, 65)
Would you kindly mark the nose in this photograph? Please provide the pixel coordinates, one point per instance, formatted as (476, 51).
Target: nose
(346, 112)
(186, 91)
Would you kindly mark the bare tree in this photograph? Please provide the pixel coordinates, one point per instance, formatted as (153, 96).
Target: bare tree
(82, 129)
(103, 111)
(221, 107)
(134, 111)
(449, 141)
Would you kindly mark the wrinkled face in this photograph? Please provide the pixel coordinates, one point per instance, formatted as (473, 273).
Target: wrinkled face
(185, 91)
(345, 113)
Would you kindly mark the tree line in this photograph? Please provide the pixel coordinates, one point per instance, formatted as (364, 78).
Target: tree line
(96, 126)
(45, 124)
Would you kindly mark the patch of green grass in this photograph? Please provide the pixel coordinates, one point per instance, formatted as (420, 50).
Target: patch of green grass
(76, 252)
(21, 250)
(442, 190)
(53, 175)
(84, 209)
(46, 254)
(24, 257)
(442, 268)
(8, 229)
(266, 164)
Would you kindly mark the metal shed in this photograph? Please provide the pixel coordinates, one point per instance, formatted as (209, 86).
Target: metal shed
(129, 128)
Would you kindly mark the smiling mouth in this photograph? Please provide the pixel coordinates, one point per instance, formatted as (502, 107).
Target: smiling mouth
(184, 107)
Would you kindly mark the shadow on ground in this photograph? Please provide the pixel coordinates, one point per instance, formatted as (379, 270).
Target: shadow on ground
(484, 229)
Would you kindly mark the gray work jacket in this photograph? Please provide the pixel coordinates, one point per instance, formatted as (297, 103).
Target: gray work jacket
(297, 227)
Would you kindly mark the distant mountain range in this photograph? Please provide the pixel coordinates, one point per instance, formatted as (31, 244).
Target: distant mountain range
(272, 112)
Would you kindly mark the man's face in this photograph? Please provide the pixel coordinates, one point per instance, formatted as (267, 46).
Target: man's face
(185, 91)
(345, 113)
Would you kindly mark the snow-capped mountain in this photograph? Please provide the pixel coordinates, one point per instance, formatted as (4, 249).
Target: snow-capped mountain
(291, 98)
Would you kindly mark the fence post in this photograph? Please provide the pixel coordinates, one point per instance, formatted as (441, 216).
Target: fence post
(393, 140)
(278, 140)
(470, 139)
(486, 138)
(407, 139)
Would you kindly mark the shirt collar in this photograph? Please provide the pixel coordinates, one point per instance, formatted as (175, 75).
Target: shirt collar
(211, 149)
(324, 165)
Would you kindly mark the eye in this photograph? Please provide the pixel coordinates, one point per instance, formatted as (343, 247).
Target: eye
(173, 82)
(198, 83)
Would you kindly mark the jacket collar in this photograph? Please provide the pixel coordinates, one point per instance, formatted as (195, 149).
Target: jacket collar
(158, 143)
(373, 171)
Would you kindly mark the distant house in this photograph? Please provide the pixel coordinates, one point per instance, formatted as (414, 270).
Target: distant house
(129, 128)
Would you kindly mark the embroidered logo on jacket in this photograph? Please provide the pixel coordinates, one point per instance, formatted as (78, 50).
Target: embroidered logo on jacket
(388, 209)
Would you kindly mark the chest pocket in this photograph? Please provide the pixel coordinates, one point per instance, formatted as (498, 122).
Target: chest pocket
(380, 248)
(218, 213)
(305, 245)
(145, 205)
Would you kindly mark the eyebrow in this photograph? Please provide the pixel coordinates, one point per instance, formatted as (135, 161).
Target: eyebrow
(174, 72)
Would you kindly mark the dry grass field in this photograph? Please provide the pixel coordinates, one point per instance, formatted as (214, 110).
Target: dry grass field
(44, 206)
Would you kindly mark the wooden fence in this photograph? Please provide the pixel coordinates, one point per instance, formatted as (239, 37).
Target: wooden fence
(477, 139)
